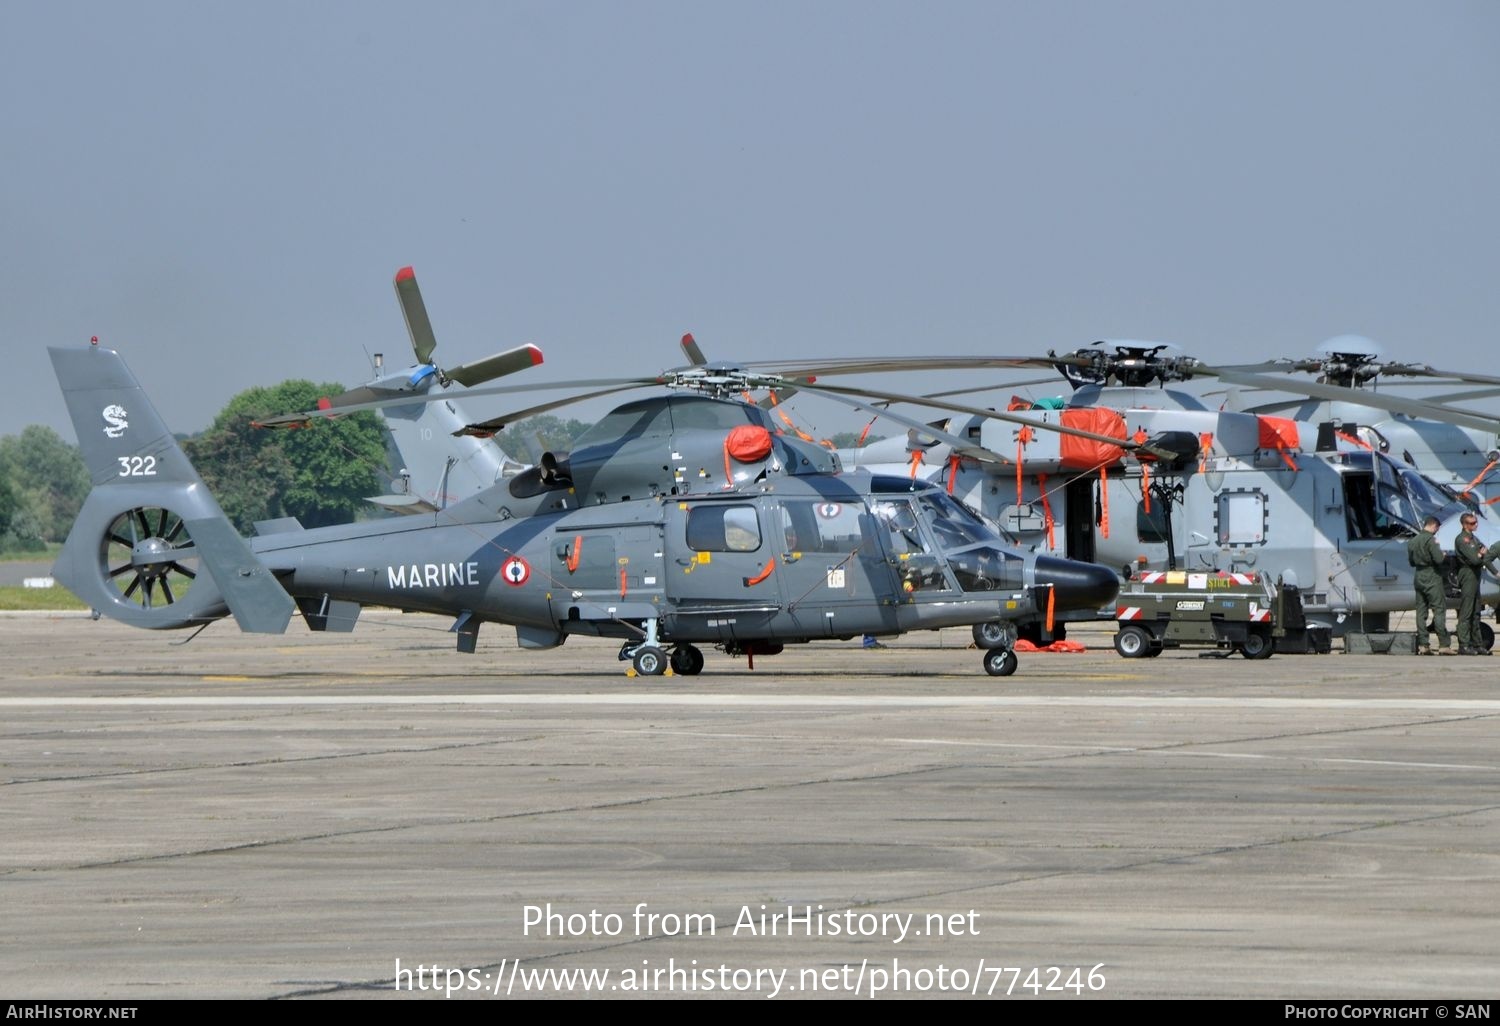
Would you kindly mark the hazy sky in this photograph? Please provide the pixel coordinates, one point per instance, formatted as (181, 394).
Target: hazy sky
(223, 191)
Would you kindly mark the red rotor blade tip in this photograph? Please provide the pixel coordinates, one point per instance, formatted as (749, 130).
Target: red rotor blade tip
(325, 403)
(405, 274)
(536, 354)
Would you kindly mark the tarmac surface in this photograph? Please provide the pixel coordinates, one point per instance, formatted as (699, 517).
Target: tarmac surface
(311, 815)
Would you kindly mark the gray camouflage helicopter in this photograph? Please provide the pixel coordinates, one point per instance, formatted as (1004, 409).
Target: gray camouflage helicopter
(1442, 442)
(678, 521)
(1310, 503)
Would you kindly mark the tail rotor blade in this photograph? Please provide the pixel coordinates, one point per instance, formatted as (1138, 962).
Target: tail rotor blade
(423, 341)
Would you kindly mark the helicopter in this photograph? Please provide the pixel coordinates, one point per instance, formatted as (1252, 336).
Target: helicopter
(640, 534)
(1310, 503)
(1456, 452)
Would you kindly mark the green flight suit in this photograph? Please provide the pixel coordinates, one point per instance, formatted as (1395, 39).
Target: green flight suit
(1471, 561)
(1425, 554)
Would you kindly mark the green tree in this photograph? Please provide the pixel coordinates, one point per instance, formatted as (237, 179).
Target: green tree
(850, 440)
(9, 503)
(320, 474)
(49, 481)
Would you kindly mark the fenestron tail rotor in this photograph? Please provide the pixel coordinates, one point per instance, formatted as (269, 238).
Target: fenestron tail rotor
(149, 556)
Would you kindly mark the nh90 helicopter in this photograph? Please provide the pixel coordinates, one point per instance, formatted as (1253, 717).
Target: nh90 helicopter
(1447, 446)
(439, 464)
(1311, 503)
(679, 521)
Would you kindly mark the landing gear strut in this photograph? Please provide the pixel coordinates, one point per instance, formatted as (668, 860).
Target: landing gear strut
(648, 658)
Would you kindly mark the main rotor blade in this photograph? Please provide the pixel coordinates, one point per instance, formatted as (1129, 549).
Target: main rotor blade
(423, 341)
(487, 428)
(1359, 397)
(991, 388)
(963, 446)
(976, 411)
(694, 354)
(496, 366)
(329, 410)
(810, 368)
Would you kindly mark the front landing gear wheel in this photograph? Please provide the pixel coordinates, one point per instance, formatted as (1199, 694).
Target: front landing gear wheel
(687, 661)
(649, 661)
(1000, 662)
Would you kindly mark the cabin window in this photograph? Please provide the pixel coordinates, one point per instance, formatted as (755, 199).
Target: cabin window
(723, 529)
(821, 526)
(1241, 517)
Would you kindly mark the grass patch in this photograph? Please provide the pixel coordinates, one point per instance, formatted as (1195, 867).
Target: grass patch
(56, 597)
(48, 554)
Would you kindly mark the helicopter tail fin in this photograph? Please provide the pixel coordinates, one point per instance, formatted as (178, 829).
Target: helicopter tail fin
(151, 547)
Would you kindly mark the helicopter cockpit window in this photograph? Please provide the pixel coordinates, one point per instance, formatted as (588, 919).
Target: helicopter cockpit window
(954, 525)
(987, 568)
(1383, 499)
(723, 529)
(901, 522)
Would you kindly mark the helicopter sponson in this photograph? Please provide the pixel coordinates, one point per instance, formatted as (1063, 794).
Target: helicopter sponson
(777, 560)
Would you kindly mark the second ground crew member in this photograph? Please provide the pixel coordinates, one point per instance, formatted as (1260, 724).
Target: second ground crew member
(1472, 557)
(1425, 554)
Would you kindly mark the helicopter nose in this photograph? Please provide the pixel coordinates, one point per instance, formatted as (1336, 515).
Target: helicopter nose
(1077, 585)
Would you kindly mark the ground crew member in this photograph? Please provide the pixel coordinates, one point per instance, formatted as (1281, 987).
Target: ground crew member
(1425, 554)
(1472, 557)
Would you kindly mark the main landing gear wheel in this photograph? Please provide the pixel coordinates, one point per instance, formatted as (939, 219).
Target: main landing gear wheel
(995, 634)
(687, 661)
(1486, 637)
(1000, 662)
(649, 661)
(1134, 642)
(1258, 645)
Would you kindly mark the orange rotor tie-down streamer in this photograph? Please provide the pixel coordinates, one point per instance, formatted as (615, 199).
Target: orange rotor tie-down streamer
(576, 554)
(1482, 475)
(1140, 439)
(1051, 606)
(954, 459)
(795, 429)
(1205, 444)
(1104, 500)
(1351, 439)
(1041, 483)
(916, 461)
(770, 568)
(1022, 437)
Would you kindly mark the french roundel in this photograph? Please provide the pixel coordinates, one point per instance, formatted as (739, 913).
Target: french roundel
(516, 571)
(829, 510)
